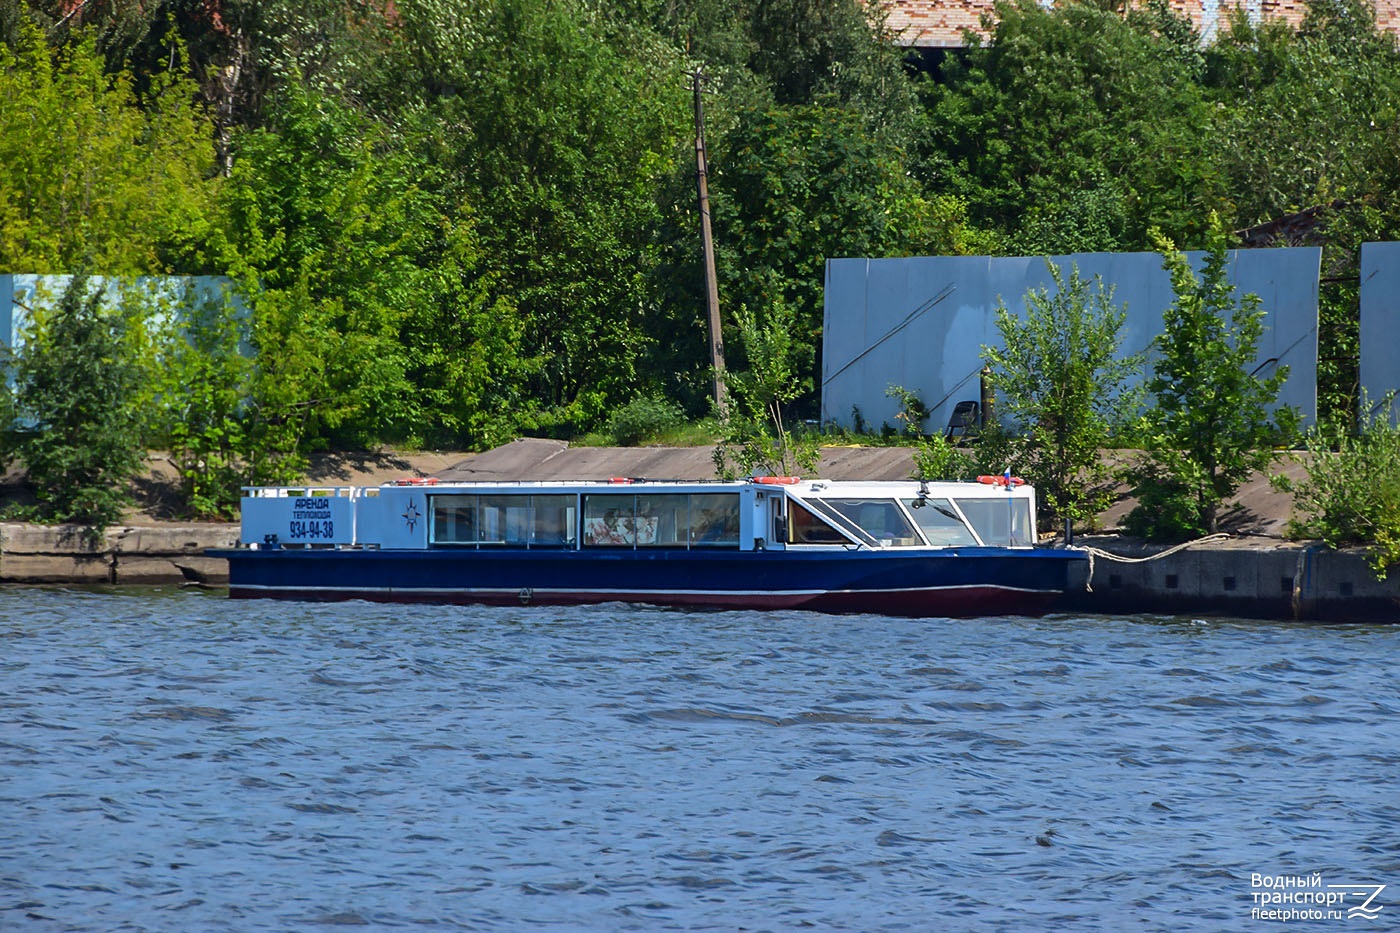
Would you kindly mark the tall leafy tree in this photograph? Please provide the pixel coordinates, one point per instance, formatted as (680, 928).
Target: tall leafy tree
(464, 345)
(1071, 98)
(1060, 374)
(78, 424)
(1297, 124)
(1210, 424)
(241, 53)
(91, 179)
(472, 219)
(716, 33)
(795, 186)
(1308, 120)
(834, 52)
(563, 123)
(786, 52)
(369, 261)
(809, 112)
(330, 220)
(203, 407)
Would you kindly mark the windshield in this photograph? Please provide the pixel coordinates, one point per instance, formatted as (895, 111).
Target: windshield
(1000, 522)
(882, 520)
(940, 523)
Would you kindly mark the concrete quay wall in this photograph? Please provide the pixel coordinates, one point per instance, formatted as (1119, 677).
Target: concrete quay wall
(1258, 578)
(147, 554)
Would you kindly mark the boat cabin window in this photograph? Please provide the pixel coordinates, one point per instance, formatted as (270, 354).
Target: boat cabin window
(504, 520)
(554, 522)
(940, 523)
(675, 520)
(609, 520)
(881, 519)
(714, 520)
(1000, 522)
(662, 520)
(806, 527)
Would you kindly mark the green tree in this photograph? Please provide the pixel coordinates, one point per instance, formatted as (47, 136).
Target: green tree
(1090, 219)
(78, 426)
(809, 115)
(203, 404)
(1061, 375)
(1309, 120)
(755, 437)
(833, 52)
(332, 223)
(1300, 116)
(1209, 425)
(238, 53)
(556, 126)
(795, 186)
(464, 343)
(93, 177)
(1071, 99)
(791, 52)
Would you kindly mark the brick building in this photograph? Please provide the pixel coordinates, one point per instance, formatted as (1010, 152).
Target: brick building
(939, 24)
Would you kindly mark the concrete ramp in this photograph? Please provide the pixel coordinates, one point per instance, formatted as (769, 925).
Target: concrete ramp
(548, 460)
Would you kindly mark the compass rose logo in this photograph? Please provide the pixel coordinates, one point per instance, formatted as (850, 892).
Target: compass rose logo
(411, 515)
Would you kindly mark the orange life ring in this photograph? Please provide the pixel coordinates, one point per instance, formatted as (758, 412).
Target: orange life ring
(1000, 480)
(777, 480)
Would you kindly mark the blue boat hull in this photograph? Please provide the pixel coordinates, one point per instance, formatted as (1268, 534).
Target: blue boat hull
(945, 582)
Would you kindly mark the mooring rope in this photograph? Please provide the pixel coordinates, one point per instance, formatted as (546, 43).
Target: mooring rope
(1096, 552)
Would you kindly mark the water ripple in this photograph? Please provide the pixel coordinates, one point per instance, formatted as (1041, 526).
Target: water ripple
(176, 761)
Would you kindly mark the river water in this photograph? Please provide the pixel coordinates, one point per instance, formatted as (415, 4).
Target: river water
(173, 760)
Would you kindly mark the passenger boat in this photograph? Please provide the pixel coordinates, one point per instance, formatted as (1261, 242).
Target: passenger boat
(905, 548)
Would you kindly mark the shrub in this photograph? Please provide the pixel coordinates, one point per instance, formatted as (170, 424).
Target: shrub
(754, 434)
(1352, 496)
(912, 410)
(644, 418)
(1168, 506)
(936, 459)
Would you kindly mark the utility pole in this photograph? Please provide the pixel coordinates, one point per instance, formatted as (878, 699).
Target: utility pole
(707, 243)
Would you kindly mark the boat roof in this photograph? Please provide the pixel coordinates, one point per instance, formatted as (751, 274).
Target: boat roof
(801, 488)
(796, 485)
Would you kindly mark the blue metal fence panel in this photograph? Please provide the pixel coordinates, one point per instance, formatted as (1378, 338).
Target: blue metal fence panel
(1380, 321)
(921, 322)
